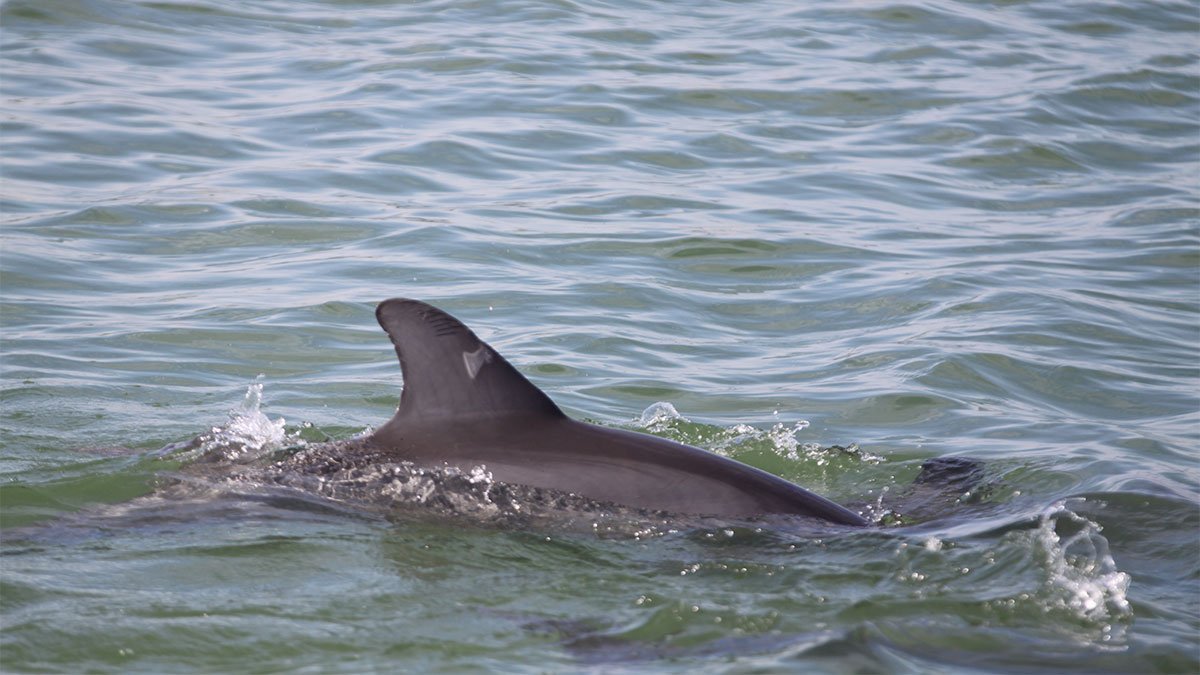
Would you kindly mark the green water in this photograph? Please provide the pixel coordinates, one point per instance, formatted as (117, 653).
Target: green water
(926, 228)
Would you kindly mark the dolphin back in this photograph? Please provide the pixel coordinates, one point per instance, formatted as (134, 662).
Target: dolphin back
(463, 405)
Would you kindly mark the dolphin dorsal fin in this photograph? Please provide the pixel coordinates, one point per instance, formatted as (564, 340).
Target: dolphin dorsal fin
(449, 372)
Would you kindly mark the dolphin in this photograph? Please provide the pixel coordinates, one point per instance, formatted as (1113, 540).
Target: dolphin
(463, 405)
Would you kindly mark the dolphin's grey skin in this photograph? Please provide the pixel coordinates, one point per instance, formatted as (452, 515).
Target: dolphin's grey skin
(463, 406)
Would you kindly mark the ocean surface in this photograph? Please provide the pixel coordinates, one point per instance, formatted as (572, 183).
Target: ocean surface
(830, 239)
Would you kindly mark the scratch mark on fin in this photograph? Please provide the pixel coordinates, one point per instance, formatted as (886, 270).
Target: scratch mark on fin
(476, 360)
(444, 326)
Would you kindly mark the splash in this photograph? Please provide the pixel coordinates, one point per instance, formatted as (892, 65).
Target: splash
(248, 433)
(1082, 576)
(447, 488)
(783, 439)
(659, 417)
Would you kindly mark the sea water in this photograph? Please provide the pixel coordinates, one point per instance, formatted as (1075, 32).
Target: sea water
(832, 240)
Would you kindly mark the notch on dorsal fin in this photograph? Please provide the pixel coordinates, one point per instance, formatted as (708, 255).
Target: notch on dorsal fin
(449, 372)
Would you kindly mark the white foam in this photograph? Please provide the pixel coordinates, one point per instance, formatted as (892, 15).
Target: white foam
(249, 432)
(1082, 576)
(659, 416)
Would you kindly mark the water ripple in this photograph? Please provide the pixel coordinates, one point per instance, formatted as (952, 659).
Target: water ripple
(932, 227)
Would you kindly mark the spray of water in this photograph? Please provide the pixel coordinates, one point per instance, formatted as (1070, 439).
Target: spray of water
(783, 439)
(1082, 576)
(248, 434)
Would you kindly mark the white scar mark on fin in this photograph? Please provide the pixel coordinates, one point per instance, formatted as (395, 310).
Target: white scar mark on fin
(476, 360)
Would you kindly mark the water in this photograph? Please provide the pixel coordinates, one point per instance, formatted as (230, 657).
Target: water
(915, 229)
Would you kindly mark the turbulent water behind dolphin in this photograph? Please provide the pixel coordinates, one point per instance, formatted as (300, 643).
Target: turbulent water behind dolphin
(832, 240)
